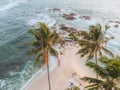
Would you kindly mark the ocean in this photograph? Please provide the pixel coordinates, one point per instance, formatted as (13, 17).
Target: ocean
(17, 17)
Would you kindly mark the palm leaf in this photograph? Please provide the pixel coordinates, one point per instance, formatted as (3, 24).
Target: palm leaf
(91, 80)
(92, 85)
(84, 35)
(37, 61)
(35, 33)
(107, 27)
(107, 51)
(34, 51)
(44, 28)
(92, 52)
(53, 51)
(98, 27)
(99, 70)
(73, 37)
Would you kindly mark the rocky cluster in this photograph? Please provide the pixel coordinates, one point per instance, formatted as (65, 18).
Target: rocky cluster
(85, 17)
(69, 29)
(118, 22)
(56, 9)
(70, 16)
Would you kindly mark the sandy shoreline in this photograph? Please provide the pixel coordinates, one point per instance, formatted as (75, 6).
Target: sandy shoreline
(62, 76)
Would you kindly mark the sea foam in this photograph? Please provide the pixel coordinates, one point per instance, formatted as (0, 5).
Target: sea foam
(12, 4)
(41, 18)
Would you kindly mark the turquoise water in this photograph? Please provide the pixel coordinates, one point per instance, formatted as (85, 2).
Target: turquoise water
(16, 17)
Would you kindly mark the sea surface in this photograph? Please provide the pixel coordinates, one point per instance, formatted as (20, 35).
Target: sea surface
(17, 17)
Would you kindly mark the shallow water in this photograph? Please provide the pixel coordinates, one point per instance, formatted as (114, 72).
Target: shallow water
(16, 17)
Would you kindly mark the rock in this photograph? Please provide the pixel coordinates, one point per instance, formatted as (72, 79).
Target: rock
(56, 9)
(69, 29)
(117, 22)
(116, 26)
(85, 17)
(111, 21)
(70, 16)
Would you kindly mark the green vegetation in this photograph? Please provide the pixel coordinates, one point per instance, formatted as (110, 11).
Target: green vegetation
(93, 42)
(109, 73)
(43, 44)
(92, 45)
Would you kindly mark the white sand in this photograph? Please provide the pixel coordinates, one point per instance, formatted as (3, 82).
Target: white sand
(62, 76)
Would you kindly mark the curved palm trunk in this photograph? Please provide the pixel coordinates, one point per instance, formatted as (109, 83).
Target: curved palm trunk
(96, 59)
(48, 71)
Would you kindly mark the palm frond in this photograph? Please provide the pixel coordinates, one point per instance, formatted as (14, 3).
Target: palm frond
(36, 34)
(107, 51)
(108, 39)
(54, 38)
(107, 27)
(44, 34)
(34, 51)
(100, 53)
(37, 61)
(92, 52)
(53, 51)
(44, 28)
(84, 35)
(99, 70)
(98, 27)
(91, 80)
(83, 52)
(73, 37)
(34, 43)
(93, 87)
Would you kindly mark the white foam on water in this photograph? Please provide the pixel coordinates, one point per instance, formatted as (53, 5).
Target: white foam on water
(12, 4)
(15, 83)
(41, 18)
(42, 71)
(2, 82)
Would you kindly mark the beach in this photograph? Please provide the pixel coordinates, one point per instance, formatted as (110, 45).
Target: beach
(18, 16)
(71, 69)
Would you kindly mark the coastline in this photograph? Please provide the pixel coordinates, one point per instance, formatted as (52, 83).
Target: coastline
(16, 70)
(61, 77)
(42, 71)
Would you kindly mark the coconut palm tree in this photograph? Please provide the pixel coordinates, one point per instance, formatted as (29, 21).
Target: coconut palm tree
(43, 44)
(108, 71)
(93, 42)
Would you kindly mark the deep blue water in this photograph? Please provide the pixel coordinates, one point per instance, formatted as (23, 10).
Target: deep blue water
(16, 18)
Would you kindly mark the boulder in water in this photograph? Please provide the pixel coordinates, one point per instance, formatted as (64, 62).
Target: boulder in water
(85, 17)
(70, 16)
(116, 26)
(69, 29)
(118, 22)
(56, 9)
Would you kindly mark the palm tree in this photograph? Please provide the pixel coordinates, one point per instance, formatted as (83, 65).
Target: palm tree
(109, 72)
(93, 42)
(43, 44)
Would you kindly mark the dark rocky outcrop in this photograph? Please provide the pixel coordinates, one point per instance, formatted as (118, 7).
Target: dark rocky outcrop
(118, 22)
(85, 17)
(56, 9)
(70, 16)
(69, 29)
(116, 26)
(111, 21)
